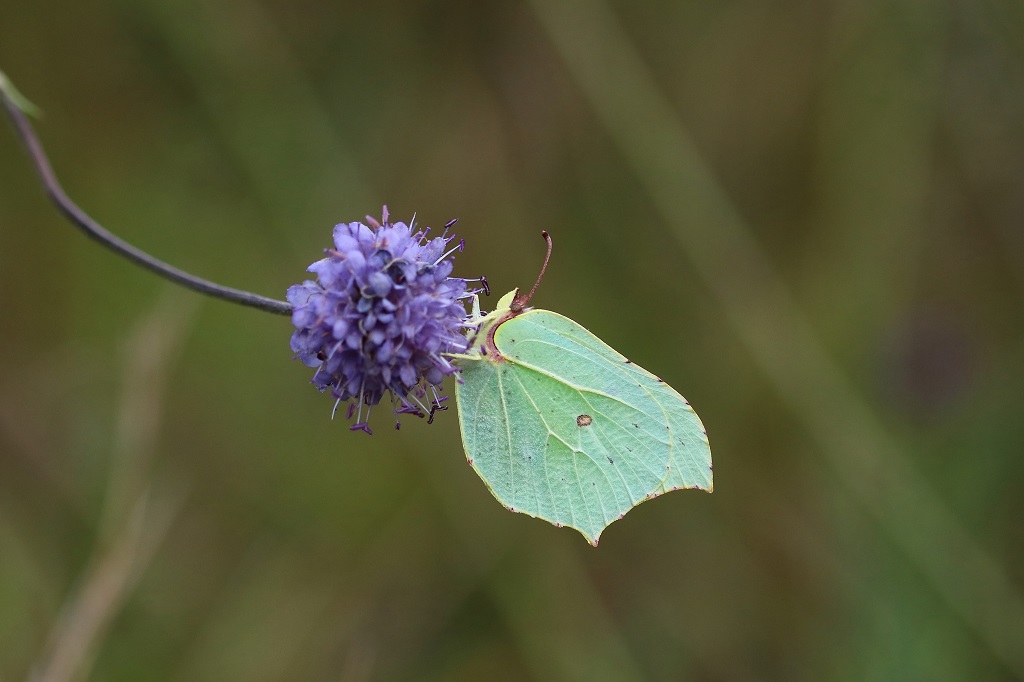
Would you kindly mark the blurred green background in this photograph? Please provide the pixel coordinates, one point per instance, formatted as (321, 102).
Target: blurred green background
(808, 217)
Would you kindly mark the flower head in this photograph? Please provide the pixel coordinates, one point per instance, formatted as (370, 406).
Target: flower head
(381, 317)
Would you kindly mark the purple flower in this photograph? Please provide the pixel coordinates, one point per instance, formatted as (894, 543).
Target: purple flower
(381, 317)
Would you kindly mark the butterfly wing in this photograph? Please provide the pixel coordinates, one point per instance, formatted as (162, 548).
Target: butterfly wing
(562, 427)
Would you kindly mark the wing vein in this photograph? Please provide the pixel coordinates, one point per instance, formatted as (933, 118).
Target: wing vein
(508, 434)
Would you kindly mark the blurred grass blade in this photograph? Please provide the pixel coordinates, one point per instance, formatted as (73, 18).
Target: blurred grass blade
(139, 510)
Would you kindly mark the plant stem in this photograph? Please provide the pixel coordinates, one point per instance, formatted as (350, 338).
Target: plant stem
(97, 232)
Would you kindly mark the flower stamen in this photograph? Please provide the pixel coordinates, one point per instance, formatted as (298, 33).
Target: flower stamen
(461, 245)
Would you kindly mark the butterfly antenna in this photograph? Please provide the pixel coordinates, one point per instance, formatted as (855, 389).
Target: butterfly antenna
(520, 301)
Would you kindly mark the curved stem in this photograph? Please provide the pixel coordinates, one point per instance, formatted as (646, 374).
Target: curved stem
(96, 231)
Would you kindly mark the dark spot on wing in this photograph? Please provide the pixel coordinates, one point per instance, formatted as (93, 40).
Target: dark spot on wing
(584, 420)
(611, 461)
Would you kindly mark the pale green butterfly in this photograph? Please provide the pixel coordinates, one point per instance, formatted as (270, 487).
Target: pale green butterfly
(562, 427)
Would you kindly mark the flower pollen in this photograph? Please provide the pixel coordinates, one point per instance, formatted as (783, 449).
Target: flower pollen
(381, 318)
